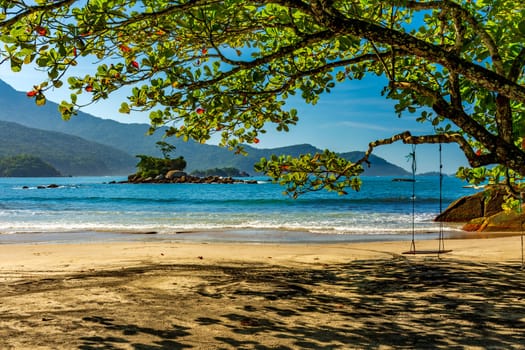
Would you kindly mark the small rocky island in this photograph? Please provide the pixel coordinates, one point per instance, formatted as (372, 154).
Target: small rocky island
(171, 170)
(179, 176)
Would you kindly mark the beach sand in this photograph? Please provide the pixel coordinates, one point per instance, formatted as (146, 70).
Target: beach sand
(183, 295)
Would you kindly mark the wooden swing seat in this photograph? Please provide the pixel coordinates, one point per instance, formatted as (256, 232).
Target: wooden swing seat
(426, 252)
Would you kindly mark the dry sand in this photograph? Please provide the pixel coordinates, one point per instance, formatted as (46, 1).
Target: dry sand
(172, 295)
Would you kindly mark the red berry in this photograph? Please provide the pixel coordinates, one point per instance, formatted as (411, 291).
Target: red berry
(89, 88)
(135, 64)
(41, 30)
(200, 110)
(32, 93)
(256, 140)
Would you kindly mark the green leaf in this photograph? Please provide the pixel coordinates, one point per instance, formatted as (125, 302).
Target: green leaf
(521, 27)
(16, 65)
(124, 108)
(40, 99)
(257, 76)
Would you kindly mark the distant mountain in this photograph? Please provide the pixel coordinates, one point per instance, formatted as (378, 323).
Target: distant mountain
(71, 155)
(132, 139)
(378, 166)
(129, 138)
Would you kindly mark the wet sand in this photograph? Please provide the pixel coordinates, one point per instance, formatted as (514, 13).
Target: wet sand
(211, 295)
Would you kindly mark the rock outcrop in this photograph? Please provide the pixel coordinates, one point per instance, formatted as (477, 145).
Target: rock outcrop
(482, 212)
(501, 222)
(482, 204)
(177, 176)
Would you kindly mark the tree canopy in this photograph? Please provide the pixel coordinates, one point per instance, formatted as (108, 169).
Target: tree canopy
(208, 66)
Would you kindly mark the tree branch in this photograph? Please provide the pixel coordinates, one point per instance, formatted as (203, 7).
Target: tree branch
(500, 150)
(313, 71)
(450, 6)
(478, 75)
(34, 9)
(503, 117)
(517, 66)
(407, 138)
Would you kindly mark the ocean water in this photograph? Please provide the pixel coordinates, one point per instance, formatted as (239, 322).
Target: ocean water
(90, 208)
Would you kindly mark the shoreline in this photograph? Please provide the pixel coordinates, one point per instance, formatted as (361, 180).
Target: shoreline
(262, 236)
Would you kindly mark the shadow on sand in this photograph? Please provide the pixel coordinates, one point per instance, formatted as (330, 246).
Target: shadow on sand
(400, 303)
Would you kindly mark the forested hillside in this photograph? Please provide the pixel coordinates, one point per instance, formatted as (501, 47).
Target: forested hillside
(26, 166)
(132, 140)
(70, 155)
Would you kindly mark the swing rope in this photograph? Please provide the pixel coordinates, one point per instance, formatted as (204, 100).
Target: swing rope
(441, 235)
(521, 228)
(414, 168)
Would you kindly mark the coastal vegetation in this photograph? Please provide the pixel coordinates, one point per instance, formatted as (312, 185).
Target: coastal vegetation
(227, 68)
(24, 165)
(170, 170)
(149, 166)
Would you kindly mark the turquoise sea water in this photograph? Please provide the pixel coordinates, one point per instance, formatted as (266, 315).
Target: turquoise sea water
(84, 208)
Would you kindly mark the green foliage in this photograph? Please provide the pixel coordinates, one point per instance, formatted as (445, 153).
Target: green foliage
(165, 148)
(312, 173)
(24, 165)
(151, 166)
(228, 67)
(476, 176)
(496, 177)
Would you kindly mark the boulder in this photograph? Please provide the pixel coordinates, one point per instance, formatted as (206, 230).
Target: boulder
(474, 225)
(134, 178)
(482, 212)
(175, 174)
(500, 222)
(479, 205)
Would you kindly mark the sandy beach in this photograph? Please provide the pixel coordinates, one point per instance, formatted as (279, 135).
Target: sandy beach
(184, 295)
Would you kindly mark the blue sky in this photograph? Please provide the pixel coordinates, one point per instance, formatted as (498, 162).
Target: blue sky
(346, 119)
